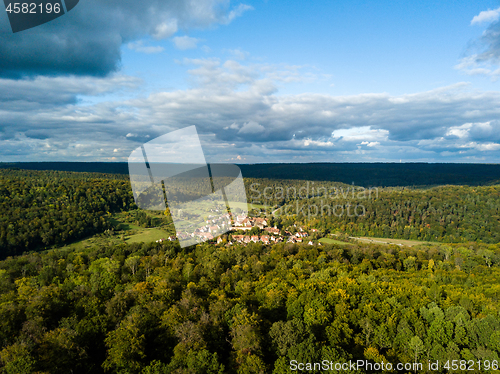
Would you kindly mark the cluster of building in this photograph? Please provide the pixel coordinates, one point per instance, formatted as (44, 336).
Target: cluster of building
(268, 239)
(216, 225)
(248, 223)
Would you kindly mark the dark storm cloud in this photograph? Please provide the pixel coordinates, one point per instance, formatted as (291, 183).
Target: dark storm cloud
(87, 40)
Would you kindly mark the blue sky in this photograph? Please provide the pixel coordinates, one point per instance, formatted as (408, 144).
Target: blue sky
(263, 81)
(381, 46)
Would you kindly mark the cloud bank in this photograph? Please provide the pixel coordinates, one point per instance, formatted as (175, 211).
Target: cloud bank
(241, 118)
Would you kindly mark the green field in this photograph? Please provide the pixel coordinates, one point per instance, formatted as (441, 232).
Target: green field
(124, 232)
(136, 234)
(407, 243)
(147, 235)
(119, 225)
(331, 241)
(95, 240)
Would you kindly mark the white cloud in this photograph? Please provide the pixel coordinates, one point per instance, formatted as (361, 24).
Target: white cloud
(370, 144)
(139, 46)
(251, 128)
(361, 133)
(476, 65)
(486, 16)
(211, 72)
(484, 53)
(185, 42)
(459, 131)
(486, 146)
(474, 130)
(238, 54)
(237, 12)
(165, 29)
(317, 143)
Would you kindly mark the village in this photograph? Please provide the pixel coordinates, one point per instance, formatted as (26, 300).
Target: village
(215, 226)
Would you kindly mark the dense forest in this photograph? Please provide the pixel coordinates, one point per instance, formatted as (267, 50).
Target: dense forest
(45, 208)
(380, 174)
(113, 306)
(451, 214)
(153, 308)
(362, 174)
(39, 209)
(444, 214)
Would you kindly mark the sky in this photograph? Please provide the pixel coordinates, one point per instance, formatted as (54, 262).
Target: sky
(263, 81)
